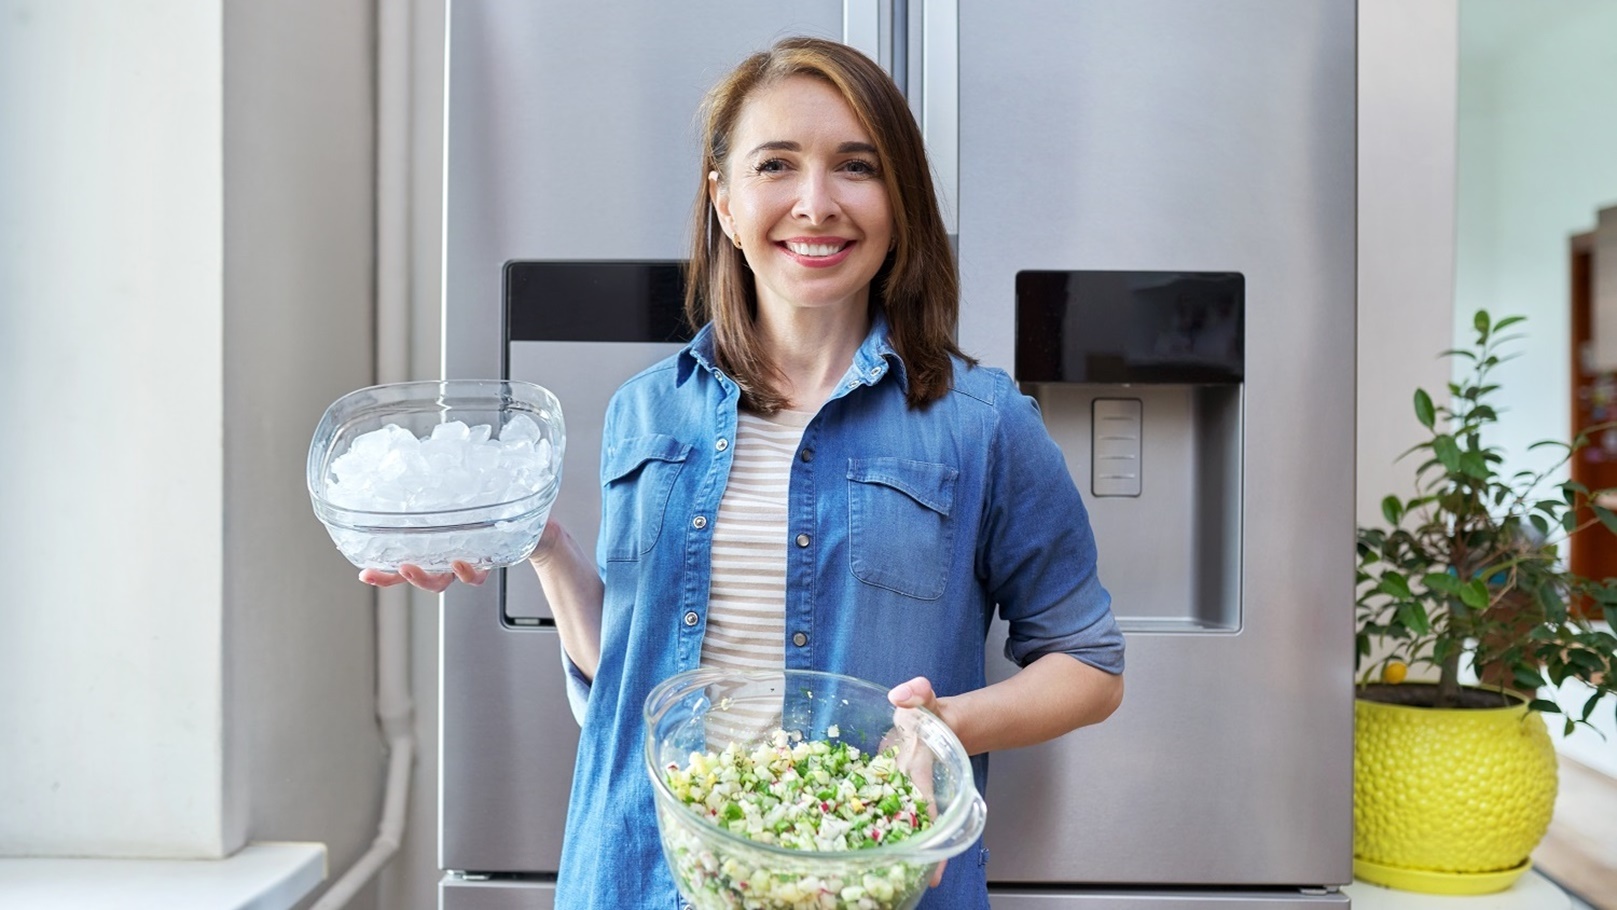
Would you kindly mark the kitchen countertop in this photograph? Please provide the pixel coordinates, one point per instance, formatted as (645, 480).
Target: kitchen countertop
(1530, 892)
(263, 876)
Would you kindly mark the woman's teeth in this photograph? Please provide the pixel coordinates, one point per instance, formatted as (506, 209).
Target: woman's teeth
(815, 249)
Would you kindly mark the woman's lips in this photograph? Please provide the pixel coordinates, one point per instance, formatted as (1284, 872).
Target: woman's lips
(816, 253)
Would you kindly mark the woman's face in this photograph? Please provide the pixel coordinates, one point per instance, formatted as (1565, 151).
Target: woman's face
(804, 194)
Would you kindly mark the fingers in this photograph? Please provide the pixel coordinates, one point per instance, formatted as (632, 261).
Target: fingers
(465, 572)
(917, 693)
(380, 579)
(435, 582)
(937, 874)
(426, 581)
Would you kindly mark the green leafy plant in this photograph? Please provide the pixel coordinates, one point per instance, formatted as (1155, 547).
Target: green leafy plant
(1470, 564)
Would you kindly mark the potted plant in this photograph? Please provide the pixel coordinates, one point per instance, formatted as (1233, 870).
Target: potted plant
(1454, 783)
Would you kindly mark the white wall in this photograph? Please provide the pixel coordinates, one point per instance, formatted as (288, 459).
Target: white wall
(111, 491)
(186, 251)
(1407, 65)
(1538, 158)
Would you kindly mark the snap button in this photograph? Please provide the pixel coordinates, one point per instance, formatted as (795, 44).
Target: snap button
(722, 444)
(799, 638)
(854, 384)
(807, 455)
(699, 522)
(691, 617)
(802, 540)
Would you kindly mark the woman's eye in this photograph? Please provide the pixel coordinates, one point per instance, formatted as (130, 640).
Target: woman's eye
(769, 166)
(861, 167)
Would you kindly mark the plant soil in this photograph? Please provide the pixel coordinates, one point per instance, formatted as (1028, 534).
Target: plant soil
(1422, 695)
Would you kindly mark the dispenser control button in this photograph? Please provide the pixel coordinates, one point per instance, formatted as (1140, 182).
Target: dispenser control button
(1116, 429)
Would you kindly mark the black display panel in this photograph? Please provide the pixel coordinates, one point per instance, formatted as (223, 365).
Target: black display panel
(1128, 327)
(595, 301)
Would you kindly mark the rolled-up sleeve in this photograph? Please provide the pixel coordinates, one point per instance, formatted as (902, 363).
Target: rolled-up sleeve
(1037, 553)
(578, 688)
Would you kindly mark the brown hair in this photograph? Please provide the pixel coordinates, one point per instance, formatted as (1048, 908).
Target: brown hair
(916, 286)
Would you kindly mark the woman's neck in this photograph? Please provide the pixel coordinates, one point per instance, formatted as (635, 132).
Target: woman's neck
(812, 349)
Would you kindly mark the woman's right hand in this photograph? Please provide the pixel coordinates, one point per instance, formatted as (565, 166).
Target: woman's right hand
(434, 582)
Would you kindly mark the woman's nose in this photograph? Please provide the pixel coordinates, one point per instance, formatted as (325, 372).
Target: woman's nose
(816, 199)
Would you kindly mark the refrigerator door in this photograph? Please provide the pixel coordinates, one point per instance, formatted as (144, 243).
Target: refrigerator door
(1183, 136)
(570, 136)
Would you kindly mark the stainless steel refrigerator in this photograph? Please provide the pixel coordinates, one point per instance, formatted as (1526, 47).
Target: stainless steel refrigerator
(1153, 203)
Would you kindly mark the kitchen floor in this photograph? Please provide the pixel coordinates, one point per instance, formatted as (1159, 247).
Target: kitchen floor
(1580, 851)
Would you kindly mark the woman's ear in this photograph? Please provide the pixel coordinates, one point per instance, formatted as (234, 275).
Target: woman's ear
(719, 195)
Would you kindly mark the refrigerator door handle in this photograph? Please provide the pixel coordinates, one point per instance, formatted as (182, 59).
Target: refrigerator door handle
(940, 102)
(862, 28)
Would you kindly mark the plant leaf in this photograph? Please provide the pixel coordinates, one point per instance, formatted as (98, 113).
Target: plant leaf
(1392, 509)
(1412, 616)
(1606, 516)
(1587, 660)
(1481, 322)
(1424, 412)
(1394, 584)
(1507, 322)
(1528, 679)
(1475, 595)
(1447, 452)
(1548, 707)
(1441, 581)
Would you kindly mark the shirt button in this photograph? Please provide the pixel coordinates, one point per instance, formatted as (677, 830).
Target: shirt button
(691, 617)
(699, 522)
(802, 540)
(799, 638)
(854, 384)
(807, 455)
(722, 444)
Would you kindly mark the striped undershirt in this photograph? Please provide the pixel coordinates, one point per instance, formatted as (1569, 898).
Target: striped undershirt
(746, 614)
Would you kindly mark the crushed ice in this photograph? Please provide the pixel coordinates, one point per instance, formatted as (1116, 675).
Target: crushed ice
(455, 467)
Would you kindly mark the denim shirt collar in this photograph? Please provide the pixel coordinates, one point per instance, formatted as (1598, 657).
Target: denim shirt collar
(874, 359)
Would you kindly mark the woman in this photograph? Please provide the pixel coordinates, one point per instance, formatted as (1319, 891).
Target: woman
(821, 479)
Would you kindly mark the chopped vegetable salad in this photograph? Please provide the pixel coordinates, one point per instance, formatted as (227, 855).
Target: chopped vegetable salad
(817, 797)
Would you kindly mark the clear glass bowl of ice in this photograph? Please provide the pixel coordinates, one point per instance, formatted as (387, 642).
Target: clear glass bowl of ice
(428, 473)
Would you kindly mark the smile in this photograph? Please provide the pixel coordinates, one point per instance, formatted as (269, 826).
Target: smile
(817, 253)
(803, 248)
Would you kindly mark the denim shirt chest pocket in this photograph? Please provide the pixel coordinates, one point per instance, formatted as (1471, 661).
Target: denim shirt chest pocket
(900, 534)
(637, 479)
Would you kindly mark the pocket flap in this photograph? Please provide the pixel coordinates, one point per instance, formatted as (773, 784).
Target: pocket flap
(931, 485)
(627, 456)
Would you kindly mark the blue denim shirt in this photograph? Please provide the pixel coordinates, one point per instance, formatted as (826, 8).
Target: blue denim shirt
(905, 529)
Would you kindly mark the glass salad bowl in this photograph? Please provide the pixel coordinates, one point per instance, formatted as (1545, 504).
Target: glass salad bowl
(712, 845)
(431, 472)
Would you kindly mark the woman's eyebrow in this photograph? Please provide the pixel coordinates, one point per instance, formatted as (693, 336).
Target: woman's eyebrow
(787, 145)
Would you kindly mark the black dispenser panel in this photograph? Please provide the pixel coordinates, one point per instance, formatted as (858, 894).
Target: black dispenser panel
(595, 301)
(1183, 328)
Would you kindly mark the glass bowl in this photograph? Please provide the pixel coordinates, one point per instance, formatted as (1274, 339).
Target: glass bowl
(717, 868)
(479, 496)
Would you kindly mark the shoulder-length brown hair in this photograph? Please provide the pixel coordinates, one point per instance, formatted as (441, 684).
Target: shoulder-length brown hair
(916, 287)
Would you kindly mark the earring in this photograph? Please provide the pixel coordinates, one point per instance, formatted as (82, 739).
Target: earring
(736, 239)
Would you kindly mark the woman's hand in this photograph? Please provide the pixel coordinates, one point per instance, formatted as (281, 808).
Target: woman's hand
(434, 582)
(917, 693)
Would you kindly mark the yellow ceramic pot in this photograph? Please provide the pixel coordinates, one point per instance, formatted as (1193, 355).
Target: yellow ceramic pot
(1449, 801)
